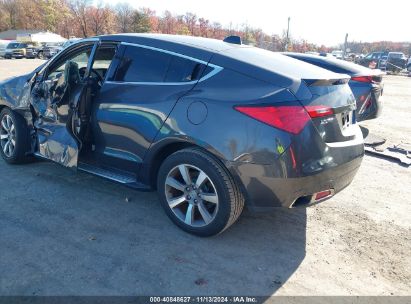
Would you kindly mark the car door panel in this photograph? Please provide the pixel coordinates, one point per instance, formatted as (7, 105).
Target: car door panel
(130, 111)
(128, 117)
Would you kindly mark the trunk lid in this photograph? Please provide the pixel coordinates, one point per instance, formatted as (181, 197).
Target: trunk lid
(335, 99)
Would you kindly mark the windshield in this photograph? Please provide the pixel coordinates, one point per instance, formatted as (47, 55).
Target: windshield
(13, 45)
(396, 55)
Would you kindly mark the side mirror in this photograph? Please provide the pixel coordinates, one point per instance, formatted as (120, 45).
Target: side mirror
(38, 78)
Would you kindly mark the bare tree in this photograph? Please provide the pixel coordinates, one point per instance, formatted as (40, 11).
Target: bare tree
(98, 17)
(79, 9)
(152, 17)
(204, 27)
(11, 9)
(168, 23)
(191, 21)
(217, 30)
(124, 16)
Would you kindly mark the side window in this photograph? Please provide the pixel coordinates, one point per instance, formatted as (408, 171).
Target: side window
(145, 65)
(369, 56)
(103, 58)
(375, 56)
(142, 65)
(80, 58)
(183, 70)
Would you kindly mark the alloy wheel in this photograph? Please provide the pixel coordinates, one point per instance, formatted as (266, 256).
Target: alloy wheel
(7, 135)
(191, 195)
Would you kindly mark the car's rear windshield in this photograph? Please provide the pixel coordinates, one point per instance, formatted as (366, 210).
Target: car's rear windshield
(335, 65)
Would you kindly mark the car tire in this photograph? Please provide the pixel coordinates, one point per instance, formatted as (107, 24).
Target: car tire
(15, 147)
(208, 202)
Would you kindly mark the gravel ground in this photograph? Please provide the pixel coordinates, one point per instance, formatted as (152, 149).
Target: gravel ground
(68, 233)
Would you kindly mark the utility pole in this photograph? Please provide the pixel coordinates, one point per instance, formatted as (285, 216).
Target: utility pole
(345, 46)
(288, 35)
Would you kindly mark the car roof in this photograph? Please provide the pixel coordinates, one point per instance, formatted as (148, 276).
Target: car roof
(14, 42)
(208, 44)
(249, 60)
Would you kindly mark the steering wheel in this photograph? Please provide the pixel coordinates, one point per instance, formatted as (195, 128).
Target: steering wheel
(82, 71)
(98, 76)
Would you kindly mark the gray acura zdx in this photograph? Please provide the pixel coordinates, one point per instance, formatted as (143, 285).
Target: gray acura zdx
(211, 125)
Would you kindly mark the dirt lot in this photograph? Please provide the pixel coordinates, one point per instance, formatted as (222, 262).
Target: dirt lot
(68, 233)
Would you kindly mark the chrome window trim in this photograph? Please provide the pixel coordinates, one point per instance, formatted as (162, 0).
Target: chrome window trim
(164, 51)
(216, 68)
(150, 83)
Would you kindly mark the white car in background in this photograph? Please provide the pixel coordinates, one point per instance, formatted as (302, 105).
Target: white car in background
(3, 45)
(51, 49)
(11, 46)
(338, 54)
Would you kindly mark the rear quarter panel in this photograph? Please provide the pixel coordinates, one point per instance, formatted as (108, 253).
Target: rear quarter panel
(221, 130)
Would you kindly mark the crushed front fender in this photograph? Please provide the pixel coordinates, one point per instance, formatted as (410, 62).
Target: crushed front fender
(15, 92)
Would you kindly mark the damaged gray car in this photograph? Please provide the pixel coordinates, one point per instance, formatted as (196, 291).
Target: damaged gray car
(212, 125)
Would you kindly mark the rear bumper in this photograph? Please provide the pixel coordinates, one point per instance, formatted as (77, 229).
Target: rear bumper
(376, 107)
(372, 106)
(290, 180)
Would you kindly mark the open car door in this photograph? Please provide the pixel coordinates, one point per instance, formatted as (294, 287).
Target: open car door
(55, 99)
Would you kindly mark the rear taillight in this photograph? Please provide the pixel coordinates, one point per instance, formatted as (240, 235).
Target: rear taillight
(319, 111)
(363, 79)
(369, 79)
(288, 118)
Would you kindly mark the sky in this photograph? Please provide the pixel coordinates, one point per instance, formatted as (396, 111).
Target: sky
(318, 21)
